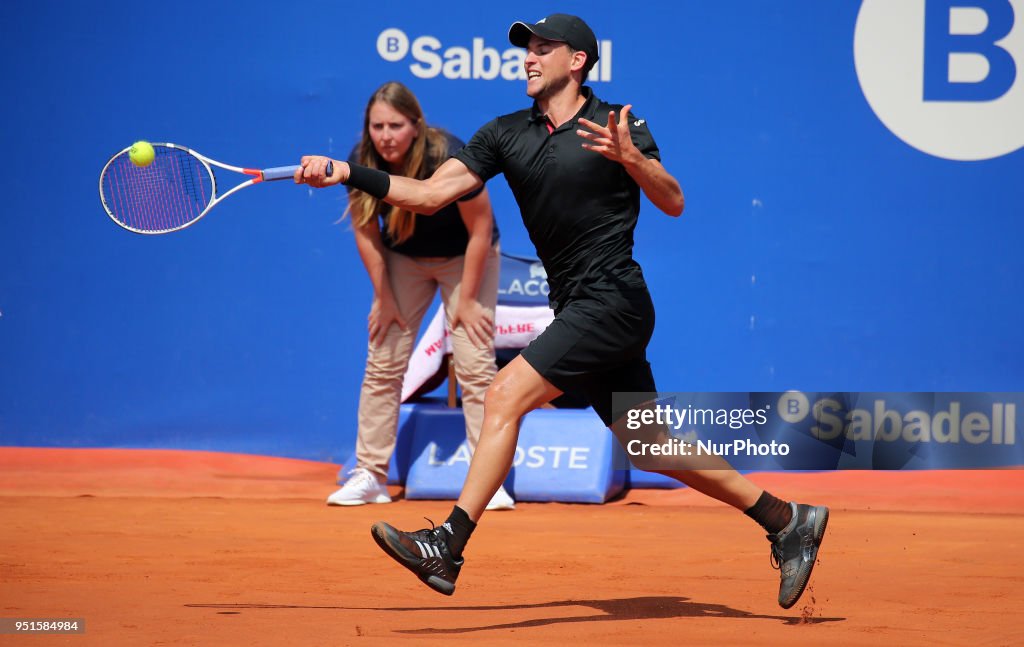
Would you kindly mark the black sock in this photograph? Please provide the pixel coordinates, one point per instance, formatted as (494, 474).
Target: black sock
(459, 527)
(773, 514)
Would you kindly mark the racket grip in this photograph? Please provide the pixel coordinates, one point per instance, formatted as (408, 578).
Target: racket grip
(288, 172)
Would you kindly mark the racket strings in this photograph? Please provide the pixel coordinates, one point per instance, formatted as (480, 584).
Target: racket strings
(168, 194)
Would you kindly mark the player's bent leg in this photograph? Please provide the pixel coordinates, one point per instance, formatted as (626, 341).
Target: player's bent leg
(517, 389)
(435, 554)
(709, 474)
(724, 484)
(794, 530)
(794, 548)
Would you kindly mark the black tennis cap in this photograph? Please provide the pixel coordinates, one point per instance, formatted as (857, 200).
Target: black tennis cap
(558, 27)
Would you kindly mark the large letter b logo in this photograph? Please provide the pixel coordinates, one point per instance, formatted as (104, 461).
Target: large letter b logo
(947, 44)
(942, 74)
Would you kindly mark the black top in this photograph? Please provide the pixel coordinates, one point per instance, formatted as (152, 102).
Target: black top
(579, 207)
(443, 234)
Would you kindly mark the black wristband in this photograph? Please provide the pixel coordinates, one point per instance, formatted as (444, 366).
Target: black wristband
(368, 180)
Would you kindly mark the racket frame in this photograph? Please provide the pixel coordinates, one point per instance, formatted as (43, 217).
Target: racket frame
(257, 176)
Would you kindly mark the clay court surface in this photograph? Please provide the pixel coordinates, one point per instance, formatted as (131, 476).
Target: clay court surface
(193, 548)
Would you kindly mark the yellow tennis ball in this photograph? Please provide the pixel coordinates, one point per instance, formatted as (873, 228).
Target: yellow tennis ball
(141, 154)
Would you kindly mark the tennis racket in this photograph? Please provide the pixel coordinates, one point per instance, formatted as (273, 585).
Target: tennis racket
(173, 192)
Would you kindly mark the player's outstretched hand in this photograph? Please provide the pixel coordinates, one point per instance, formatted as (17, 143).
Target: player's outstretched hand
(313, 171)
(613, 140)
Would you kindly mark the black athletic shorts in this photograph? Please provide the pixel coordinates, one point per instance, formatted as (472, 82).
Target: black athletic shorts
(597, 345)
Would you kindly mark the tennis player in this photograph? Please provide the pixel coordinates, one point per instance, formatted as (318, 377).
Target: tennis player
(577, 166)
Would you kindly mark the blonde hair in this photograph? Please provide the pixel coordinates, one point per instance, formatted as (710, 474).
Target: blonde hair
(429, 150)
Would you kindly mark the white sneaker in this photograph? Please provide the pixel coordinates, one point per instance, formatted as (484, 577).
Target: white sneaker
(501, 501)
(362, 487)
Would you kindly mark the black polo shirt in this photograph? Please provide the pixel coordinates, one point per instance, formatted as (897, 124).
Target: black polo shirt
(579, 207)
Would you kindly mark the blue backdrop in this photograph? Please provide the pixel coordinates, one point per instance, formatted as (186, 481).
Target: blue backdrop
(822, 247)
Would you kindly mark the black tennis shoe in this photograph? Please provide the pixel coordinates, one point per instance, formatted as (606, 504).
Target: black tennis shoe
(795, 550)
(424, 552)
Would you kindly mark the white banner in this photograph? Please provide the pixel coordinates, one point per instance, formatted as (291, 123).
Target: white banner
(515, 327)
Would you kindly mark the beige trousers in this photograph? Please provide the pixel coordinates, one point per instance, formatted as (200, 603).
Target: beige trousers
(414, 281)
